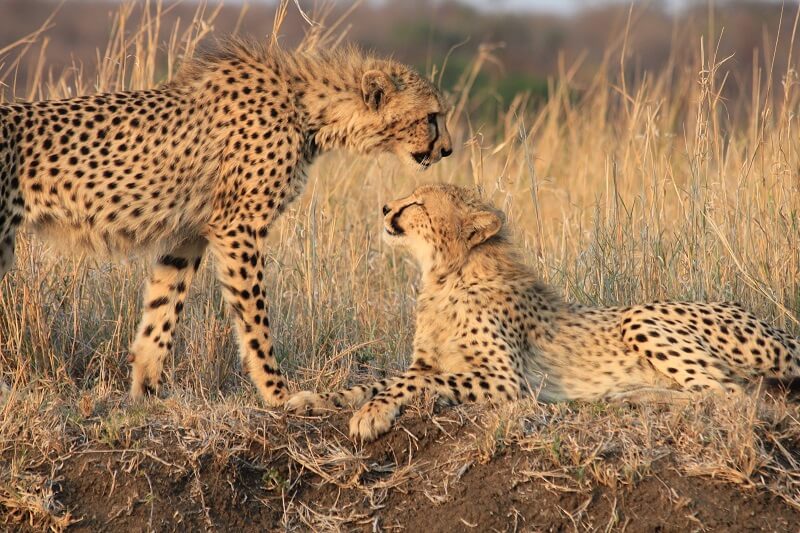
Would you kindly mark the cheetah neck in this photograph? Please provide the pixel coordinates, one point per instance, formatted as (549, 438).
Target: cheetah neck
(328, 95)
(492, 261)
(492, 273)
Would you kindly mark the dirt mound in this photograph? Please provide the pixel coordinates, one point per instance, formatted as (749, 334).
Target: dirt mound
(429, 474)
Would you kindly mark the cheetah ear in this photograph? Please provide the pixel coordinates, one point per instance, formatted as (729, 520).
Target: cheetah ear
(481, 226)
(376, 88)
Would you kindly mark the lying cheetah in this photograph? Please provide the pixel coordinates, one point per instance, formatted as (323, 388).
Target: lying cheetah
(209, 159)
(488, 330)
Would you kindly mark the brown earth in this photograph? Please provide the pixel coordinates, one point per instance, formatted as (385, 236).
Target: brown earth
(250, 488)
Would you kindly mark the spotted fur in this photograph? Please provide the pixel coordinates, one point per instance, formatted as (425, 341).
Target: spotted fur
(207, 161)
(488, 330)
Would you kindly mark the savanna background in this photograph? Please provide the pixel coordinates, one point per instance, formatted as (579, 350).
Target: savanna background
(642, 151)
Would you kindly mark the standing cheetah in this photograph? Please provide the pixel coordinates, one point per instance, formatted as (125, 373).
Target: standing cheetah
(488, 330)
(208, 160)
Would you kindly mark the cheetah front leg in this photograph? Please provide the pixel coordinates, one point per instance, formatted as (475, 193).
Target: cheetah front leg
(164, 296)
(240, 270)
(376, 416)
(313, 403)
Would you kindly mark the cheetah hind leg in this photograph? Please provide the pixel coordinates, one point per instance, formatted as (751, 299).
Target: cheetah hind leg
(6, 262)
(685, 361)
(164, 298)
(6, 251)
(654, 395)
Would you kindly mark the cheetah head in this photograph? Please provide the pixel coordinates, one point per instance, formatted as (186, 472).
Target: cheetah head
(441, 224)
(410, 114)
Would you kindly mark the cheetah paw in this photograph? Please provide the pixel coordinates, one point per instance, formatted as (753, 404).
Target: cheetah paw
(144, 390)
(372, 420)
(145, 377)
(309, 403)
(275, 398)
(144, 387)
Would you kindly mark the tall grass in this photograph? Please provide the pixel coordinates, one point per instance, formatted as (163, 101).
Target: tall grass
(620, 191)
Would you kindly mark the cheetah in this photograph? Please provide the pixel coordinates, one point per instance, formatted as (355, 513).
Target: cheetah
(487, 330)
(206, 160)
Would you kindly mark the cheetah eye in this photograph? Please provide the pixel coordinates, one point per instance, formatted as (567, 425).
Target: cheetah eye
(432, 118)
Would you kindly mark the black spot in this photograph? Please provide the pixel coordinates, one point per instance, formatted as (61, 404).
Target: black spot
(176, 262)
(158, 302)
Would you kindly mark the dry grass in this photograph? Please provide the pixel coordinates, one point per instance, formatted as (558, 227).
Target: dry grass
(636, 189)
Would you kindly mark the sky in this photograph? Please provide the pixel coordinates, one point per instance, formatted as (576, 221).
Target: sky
(567, 6)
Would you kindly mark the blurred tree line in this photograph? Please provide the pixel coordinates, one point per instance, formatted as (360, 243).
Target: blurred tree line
(535, 47)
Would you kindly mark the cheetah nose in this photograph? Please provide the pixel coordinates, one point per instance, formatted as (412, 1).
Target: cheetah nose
(386, 210)
(446, 152)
